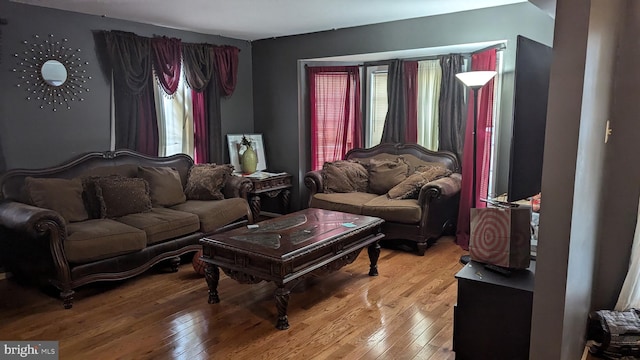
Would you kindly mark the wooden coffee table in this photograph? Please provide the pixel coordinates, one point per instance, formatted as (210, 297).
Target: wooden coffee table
(289, 248)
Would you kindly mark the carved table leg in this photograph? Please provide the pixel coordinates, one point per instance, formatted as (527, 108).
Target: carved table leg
(255, 207)
(212, 274)
(282, 302)
(374, 254)
(286, 195)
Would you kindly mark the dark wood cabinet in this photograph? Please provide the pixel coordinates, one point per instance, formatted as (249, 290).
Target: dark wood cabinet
(492, 318)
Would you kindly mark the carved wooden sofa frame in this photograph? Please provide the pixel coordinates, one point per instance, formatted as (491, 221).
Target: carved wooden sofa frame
(36, 235)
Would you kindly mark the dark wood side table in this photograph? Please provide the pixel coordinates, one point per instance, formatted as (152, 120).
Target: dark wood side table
(492, 319)
(272, 187)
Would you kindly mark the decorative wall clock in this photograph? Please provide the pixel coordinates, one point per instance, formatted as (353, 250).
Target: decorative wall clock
(51, 72)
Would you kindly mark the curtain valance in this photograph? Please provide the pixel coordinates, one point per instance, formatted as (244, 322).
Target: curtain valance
(199, 65)
(132, 57)
(167, 59)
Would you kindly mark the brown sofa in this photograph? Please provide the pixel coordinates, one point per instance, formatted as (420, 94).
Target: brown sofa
(112, 215)
(415, 190)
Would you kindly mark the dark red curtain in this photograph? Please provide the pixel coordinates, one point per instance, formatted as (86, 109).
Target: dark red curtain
(167, 62)
(226, 58)
(411, 92)
(136, 125)
(200, 129)
(485, 60)
(209, 70)
(336, 121)
(199, 67)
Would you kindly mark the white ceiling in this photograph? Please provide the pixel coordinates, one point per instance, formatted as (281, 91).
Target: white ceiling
(260, 19)
(412, 53)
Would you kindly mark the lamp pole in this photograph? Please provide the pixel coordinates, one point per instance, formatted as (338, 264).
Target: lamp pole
(475, 148)
(474, 80)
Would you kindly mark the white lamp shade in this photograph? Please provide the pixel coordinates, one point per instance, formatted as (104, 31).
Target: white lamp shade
(475, 79)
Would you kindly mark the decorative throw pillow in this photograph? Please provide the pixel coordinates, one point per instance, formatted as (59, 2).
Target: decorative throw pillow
(165, 185)
(385, 174)
(344, 176)
(426, 166)
(91, 201)
(61, 195)
(410, 188)
(120, 196)
(206, 181)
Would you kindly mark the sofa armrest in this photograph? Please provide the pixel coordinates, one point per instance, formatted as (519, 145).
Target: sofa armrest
(237, 186)
(313, 181)
(29, 219)
(441, 188)
(30, 222)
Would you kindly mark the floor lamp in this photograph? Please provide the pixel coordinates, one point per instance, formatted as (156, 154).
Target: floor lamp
(474, 80)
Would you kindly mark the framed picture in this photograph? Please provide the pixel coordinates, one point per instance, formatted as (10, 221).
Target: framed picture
(236, 149)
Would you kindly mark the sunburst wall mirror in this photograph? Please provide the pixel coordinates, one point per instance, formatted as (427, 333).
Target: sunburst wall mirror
(52, 72)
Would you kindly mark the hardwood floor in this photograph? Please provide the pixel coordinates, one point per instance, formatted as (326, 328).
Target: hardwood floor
(405, 313)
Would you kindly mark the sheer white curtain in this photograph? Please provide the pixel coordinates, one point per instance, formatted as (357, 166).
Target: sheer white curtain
(175, 119)
(429, 79)
(630, 293)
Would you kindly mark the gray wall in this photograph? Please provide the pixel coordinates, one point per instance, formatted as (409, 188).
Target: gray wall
(620, 193)
(275, 70)
(581, 202)
(31, 137)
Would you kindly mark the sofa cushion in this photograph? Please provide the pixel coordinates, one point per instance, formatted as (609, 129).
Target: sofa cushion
(165, 186)
(98, 239)
(61, 195)
(403, 211)
(162, 224)
(344, 176)
(215, 214)
(410, 188)
(119, 196)
(91, 201)
(385, 174)
(345, 202)
(206, 180)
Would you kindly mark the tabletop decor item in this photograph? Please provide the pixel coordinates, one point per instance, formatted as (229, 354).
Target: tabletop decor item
(237, 149)
(249, 157)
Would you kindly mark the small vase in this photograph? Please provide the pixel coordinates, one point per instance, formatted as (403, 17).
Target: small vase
(249, 161)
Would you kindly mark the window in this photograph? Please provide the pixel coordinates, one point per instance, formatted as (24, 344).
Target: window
(424, 82)
(377, 103)
(334, 98)
(175, 119)
(428, 93)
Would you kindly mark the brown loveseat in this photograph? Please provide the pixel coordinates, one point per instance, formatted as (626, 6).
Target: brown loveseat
(415, 190)
(112, 215)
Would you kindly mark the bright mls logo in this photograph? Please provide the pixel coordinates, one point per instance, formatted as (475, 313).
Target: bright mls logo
(29, 350)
